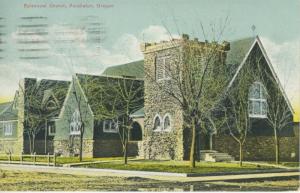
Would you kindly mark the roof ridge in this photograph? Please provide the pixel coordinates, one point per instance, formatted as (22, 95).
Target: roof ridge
(240, 39)
(111, 76)
(125, 63)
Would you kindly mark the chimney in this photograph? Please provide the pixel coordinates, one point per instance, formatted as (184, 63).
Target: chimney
(226, 45)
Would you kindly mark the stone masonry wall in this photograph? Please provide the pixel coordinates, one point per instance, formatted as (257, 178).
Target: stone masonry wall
(160, 144)
(9, 145)
(260, 148)
(68, 149)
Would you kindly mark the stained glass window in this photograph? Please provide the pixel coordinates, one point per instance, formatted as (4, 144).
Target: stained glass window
(75, 124)
(258, 106)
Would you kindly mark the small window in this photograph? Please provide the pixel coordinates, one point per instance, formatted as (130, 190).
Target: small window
(163, 68)
(8, 128)
(51, 129)
(157, 123)
(110, 126)
(258, 106)
(167, 123)
(75, 124)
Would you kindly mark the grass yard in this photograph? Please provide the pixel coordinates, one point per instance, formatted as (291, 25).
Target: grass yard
(291, 164)
(176, 166)
(60, 160)
(35, 181)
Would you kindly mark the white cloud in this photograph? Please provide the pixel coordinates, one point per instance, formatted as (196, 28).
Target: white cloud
(128, 45)
(77, 56)
(285, 58)
(156, 33)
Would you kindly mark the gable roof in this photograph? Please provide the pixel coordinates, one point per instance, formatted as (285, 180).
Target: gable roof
(47, 89)
(259, 43)
(95, 88)
(3, 106)
(8, 112)
(48, 95)
(138, 113)
(133, 69)
(238, 50)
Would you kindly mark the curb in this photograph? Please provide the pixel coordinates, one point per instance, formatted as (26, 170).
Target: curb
(265, 164)
(263, 171)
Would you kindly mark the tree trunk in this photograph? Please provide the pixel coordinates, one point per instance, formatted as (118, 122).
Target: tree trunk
(125, 154)
(192, 152)
(276, 149)
(30, 143)
(33, 143)
(80, 147)
(241, 154)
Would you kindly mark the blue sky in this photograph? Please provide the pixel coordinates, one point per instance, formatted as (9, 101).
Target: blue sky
(128, 23)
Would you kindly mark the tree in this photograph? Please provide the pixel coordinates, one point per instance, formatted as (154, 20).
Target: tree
(279, 113)
(237, 121)
(279, 117)
(116, 99)
(130, 94)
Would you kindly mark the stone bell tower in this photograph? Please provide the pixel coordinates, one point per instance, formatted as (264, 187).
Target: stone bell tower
(165, 136)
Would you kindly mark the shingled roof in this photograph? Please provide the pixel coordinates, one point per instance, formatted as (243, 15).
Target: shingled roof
(101, 95)
(8, 112)
(3, 106)
(133, 69)
(238, 50)
(45, 89)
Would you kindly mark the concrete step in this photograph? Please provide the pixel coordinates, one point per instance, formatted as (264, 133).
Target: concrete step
(214, 156)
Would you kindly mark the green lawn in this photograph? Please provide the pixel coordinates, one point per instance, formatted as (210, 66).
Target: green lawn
(176, 166)
(35, 181)
(60, 160)
(288, 164)
(291, 164)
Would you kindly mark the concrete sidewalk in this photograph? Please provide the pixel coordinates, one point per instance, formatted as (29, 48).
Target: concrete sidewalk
(95, 162)
(165, 176)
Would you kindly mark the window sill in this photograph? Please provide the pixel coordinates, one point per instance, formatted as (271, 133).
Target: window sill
(9, 138)
(75, 133)
(110, 131)
(163, 79)
(258, 116)
(163, 131)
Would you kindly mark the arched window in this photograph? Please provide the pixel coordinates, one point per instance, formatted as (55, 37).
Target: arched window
(258, 105)
(136, 132)
(157, 123)
(75, 124)
(167, 122)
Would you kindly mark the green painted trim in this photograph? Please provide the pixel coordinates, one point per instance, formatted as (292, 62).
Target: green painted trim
(85, 98)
